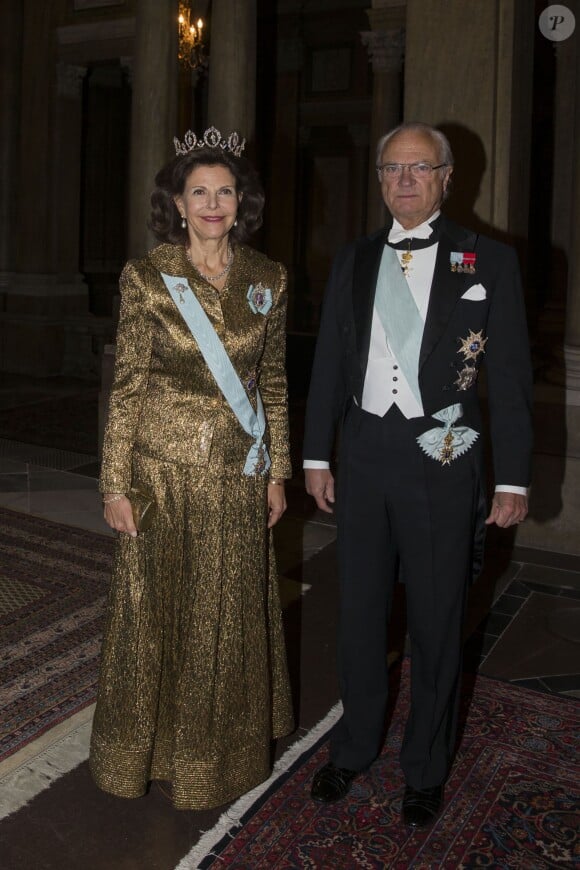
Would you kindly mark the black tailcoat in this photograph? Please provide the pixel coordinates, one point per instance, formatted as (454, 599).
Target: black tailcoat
(343, 345)
(421, 512)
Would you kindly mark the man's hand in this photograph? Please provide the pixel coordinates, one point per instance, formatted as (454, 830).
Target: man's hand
(507, 509)
(320, 485)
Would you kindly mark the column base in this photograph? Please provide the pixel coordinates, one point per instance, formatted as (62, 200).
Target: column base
(554, 515)
(572, 363)
(46, 328)
(566, 372)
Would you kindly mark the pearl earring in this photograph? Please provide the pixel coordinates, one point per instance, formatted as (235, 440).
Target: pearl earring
(183, 222)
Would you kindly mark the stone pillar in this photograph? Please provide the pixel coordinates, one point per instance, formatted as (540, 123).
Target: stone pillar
(359, 134)
(154, 111)
(67, 176)
(283, 183)
(30, 338)
(232, 67)
(10, 86)
(471, 65)
(386, 53)
(565, 101)
(386, 46)
(555, 494)
(572, 335)
(37, 106)
(555, 326)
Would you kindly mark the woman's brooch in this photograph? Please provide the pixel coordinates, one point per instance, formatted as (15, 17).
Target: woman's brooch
(181, 289)
(259, 298)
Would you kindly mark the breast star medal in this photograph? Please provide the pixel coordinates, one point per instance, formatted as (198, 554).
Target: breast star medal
(473, 345)
(466, 377)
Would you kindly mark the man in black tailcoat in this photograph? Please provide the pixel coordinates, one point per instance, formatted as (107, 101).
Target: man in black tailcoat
(410, 315)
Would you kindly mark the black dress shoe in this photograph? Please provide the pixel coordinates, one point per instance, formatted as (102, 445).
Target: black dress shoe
(421, 807)
(331, 783)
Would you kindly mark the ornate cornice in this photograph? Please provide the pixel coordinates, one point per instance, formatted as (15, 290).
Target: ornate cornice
(386, 49)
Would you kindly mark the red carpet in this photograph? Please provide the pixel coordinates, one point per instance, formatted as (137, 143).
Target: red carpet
(511, 801)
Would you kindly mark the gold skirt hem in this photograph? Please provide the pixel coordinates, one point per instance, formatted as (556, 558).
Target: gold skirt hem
(195, 784)
(193, 674)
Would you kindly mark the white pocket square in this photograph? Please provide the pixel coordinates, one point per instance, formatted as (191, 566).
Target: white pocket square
(476, 293)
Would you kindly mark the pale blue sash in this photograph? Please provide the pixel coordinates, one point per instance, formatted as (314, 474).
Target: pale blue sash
(400, 318)
(220, 365)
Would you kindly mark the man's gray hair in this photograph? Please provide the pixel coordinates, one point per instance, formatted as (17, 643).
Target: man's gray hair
(440, 139)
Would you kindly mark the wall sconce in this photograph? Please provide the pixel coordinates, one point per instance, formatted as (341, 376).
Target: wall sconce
(191, 50)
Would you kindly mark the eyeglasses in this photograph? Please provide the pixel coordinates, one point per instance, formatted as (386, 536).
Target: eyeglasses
(417, 170)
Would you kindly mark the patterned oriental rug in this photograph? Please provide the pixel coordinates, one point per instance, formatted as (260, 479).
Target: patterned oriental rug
(511, 801)
(53, 584)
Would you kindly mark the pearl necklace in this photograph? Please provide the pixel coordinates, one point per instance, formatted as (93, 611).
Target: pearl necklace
(225, 271)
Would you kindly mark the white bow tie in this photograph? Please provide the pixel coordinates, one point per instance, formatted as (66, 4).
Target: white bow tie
(398, 233)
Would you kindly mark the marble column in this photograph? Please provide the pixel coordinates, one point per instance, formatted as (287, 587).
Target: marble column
(565, 147)
(281, 222)
(30, 339)
(386, 53)
(232, 67)
(10, 88)
(470, 65)
(555, 495)
(154, 111)
(572, 335)
(359, 134)
(36, 142)
(67, 175)
(386, 45)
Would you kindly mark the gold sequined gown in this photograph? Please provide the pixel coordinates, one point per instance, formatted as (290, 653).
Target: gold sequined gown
(193, 684)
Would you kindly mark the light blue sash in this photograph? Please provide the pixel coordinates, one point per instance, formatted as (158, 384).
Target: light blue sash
(220, 365)
(400, 318)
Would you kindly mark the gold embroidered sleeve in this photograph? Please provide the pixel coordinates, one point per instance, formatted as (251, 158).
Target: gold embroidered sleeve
(273, 384)
(132, 359)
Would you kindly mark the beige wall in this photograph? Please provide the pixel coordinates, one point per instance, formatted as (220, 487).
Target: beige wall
(470, 64)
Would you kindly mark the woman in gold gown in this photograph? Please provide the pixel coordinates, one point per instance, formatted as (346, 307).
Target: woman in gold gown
(193, 684)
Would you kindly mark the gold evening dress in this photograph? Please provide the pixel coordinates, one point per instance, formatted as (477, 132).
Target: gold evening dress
(193, 684)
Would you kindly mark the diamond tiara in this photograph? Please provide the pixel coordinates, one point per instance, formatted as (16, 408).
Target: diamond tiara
(212, 138)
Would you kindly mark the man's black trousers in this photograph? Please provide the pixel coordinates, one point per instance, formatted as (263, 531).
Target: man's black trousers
(397, 507)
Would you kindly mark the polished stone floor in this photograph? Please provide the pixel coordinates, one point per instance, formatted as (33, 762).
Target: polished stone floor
(524, 616)
(522, 626)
